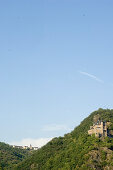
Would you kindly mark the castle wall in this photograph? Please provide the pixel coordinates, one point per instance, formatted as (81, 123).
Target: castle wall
(98, 129)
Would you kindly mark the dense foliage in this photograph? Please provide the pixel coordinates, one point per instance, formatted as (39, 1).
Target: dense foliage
(76, 150)
(10, 156)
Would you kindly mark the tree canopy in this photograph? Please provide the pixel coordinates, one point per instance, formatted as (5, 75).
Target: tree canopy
(76, 150)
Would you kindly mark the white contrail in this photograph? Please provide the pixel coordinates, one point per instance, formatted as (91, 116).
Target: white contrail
(91, 76)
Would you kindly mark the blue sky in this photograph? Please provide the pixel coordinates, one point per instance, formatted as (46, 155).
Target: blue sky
(56, 60)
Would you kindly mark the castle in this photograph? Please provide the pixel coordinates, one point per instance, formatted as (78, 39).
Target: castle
(99, 128)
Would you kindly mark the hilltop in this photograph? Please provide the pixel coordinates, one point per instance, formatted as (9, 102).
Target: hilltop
(76, 150)
(10, 156)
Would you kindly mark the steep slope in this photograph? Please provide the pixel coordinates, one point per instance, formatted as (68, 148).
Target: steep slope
(76, 150)
(10, 156)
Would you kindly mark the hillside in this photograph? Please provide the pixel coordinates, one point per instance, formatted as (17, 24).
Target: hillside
(76, 150)
(10, 156)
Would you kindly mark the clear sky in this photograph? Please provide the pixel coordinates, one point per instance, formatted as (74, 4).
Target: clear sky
(56, 65)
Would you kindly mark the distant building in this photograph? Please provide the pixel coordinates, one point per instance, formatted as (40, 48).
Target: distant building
(31, 147)
(19, 147)
(99, 127)
(25, 147)
(35, 148)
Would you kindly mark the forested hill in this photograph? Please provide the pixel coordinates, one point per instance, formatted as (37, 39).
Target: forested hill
(10, 156)
(76, 150)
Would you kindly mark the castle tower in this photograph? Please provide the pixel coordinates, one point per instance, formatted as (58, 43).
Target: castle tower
(96, 119)
(31, 147)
